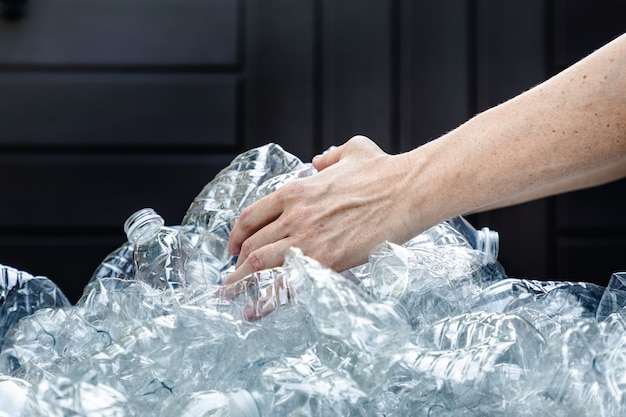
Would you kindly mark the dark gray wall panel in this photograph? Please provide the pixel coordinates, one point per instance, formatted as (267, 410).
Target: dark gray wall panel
(511, 49)
(436, 69)
(357, 71)
(590, 259)
(68, 260)
(280, 97)
(597, 210)
(122, 32)
(122, 109)
(582, 26)
(73, 192)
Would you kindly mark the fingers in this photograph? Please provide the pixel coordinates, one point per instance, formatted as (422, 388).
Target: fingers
(252, 219)
(273, 232)
(265, 257)
(259, 236)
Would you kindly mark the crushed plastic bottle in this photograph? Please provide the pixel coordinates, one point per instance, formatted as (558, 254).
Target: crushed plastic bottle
(274, 183)
(231, 186)
(218, 205)
(586, 373)
(304, 386)
(614, 298)
(463, 365)
(550, 306)
(429, 282)
(75, 394)
(21, 294)
(438, 245)
(118, 264)
(351, 324)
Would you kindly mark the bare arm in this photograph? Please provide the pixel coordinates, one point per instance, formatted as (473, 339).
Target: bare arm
(566, 133)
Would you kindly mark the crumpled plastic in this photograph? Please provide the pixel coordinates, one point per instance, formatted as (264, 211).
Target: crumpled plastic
(433, 327)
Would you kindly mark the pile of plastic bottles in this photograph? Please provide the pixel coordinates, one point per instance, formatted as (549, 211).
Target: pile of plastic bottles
(433, 327)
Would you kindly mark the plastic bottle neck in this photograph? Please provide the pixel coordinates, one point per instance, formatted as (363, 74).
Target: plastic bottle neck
(143, 225)
(488, 241)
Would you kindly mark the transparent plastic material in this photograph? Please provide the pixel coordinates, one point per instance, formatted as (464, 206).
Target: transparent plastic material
(484, 240)
(21, 294)
(432, 327)
(167, 257)
(13, 394)
(614, 298)
(214, 403)
(118, 264)
(432, 276)
(160, 252)
(231, 187)
(250, 176)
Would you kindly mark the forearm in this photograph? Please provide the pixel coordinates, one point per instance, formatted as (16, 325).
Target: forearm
(596, 177)
(544, 141)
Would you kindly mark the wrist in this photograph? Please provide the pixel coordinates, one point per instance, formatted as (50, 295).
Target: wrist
(435, 185)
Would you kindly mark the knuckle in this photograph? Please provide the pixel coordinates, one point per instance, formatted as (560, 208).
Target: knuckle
(359, 139)
(246, 248)
(292, 188)
(256, 261)
(297, 215)
(244, 222)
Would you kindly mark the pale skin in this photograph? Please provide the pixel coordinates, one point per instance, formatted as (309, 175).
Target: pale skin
(564, 134)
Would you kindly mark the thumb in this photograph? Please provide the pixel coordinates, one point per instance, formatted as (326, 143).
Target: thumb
(357, 145)
(330, 157)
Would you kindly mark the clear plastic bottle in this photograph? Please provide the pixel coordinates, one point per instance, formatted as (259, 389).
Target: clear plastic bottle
(429, 278)
(21, 294)
(550, 306)
(158, 254)
(167, 257)
(475, 355)
(274, 183)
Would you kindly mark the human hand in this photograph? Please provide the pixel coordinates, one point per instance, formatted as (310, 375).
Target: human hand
(336, 216)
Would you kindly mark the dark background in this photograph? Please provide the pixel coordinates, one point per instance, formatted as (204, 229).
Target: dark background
(109, 106)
